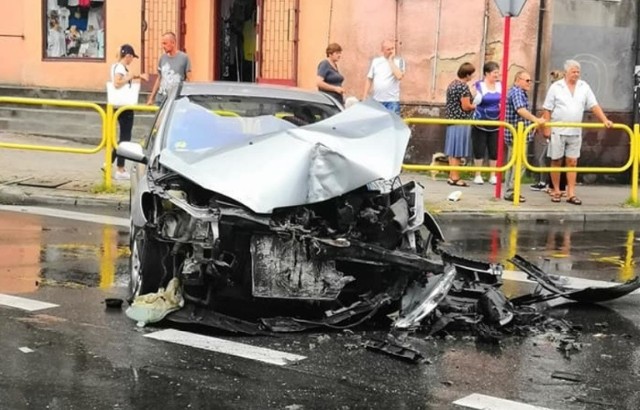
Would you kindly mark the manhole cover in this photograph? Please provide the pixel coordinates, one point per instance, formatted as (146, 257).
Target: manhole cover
(44, 183)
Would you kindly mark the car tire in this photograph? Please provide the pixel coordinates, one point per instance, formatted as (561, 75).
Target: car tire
(145, 264)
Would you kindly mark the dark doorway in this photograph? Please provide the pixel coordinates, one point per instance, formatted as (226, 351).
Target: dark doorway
(236, 40)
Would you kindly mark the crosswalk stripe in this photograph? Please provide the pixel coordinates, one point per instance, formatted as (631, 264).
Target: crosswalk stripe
(225, 346)
(23, 303)
(484, 402)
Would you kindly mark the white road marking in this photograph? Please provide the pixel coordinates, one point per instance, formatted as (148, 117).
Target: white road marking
(227, 347)
(59, 213)
(25, 350)
(574, 283)
(483, 402)
(24, 304)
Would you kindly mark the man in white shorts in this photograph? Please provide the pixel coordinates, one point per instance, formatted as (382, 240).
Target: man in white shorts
(566, 101)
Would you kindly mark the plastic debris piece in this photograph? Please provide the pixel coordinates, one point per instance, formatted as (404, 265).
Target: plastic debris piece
(153, 307)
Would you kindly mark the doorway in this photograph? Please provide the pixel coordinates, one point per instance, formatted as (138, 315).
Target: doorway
(236, 40)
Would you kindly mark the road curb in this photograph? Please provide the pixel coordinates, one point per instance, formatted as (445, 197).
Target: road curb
(16, 196)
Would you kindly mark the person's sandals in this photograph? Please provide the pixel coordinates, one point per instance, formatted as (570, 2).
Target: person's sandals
(509, 197)
(555, 197)
(456, 182)
(574, 200)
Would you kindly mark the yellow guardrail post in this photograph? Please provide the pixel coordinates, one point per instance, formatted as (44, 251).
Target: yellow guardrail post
(109, 130)
(635, 149)
(519, 151)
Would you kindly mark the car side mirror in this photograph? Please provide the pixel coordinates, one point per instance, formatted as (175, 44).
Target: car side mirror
(131, 151)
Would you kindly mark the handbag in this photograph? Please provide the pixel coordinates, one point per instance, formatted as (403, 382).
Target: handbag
(128, 94)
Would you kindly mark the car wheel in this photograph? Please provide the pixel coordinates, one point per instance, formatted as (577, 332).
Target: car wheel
(145, 266)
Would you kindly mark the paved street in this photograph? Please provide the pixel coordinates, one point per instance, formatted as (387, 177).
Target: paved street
(75, 353)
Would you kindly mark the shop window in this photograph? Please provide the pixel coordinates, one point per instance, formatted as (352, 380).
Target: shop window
(74, 29)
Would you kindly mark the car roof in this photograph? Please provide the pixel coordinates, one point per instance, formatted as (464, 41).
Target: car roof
(254, 90)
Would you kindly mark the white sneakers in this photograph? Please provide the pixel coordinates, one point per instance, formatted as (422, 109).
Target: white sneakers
(121, 175)
(479, 181)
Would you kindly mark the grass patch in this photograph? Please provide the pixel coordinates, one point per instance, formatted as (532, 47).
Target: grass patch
(629, 202)
(101, 188)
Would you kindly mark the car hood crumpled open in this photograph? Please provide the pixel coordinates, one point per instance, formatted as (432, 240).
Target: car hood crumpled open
(301, 165)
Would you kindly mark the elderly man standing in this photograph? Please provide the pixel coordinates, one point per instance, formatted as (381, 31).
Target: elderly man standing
(517, 109)
(385, 73)
(566, 101)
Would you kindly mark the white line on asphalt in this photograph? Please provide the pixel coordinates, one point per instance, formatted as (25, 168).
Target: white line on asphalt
(227, 347)
(483, 402)
(59, 213)
(25, 350)
(573, 283)
(24, 304)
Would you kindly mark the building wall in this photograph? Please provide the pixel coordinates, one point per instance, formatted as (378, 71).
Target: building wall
(199, 38)
(26, 66)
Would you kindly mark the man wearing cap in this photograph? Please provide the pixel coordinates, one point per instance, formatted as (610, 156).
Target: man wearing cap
(173, 68)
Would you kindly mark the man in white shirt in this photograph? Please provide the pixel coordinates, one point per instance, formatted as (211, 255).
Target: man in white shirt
(566, 101)
(385, 73)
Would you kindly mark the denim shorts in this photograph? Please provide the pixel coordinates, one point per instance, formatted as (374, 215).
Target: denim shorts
(393, 106)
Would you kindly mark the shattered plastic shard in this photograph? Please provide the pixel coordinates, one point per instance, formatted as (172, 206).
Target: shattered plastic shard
(153, 307)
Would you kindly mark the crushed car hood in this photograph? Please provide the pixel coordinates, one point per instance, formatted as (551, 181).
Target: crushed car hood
(301, 165)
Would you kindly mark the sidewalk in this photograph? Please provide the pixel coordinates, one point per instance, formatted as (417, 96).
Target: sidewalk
(51, 178)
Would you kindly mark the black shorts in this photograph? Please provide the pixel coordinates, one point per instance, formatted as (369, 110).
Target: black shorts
(484, 140)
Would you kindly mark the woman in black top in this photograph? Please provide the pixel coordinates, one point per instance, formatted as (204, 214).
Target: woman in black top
(329, 78)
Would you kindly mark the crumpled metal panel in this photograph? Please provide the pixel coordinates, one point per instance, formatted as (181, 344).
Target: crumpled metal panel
(282, 269)
(302, 165)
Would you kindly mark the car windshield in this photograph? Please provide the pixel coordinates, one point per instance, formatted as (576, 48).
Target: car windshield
(211, 121)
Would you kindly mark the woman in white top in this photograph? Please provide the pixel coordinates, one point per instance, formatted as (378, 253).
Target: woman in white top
(121, 76)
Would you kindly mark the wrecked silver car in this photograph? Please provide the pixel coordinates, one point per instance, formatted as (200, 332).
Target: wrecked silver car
(274, 210)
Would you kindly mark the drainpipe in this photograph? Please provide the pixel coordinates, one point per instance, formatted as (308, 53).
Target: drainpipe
(485, 31)
(435, 56)
(536, 81)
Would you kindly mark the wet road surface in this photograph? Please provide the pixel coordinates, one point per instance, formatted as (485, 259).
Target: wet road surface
(80, 355)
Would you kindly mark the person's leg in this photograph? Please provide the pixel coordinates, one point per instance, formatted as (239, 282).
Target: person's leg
(479, 145)
(492, 148)
(556, 153)
(454, 175)
(573, 146)
(509, 173)
(540, 160)
(126, 125)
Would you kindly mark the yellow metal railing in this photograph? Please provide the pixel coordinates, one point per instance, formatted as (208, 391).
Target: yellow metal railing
(109, 117)
(58, 103)
(519, 157)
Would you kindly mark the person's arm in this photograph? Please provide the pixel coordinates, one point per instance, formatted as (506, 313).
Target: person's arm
(154, 91)
(546, 131)
(187, 70)
(466, 104)
(367, 88)
(397, 72)
(323, 86)
(601, 116)
(526, 114)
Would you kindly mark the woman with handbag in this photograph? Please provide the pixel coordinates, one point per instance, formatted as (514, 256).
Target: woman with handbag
(123, 92)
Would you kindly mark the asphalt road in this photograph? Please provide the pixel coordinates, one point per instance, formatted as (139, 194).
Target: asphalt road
(80, 355)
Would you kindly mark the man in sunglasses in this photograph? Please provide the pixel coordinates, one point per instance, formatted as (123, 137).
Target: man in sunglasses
(517, 109)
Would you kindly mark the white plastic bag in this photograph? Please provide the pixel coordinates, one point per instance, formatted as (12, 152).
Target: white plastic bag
(125, 95)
